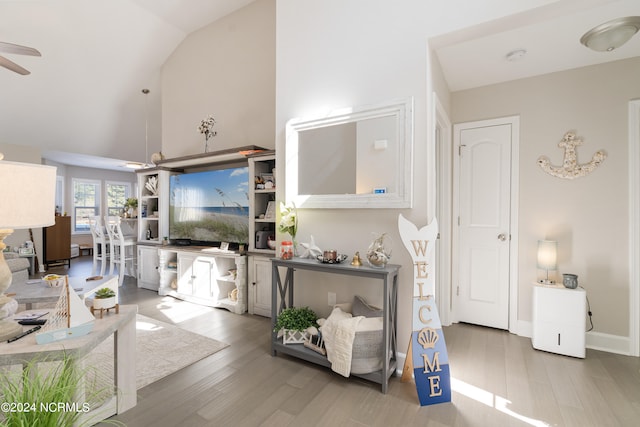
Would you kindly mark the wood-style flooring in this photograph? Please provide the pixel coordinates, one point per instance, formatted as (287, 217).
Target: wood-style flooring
(498, 379)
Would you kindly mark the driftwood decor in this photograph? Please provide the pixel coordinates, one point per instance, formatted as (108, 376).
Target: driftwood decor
(570, 168)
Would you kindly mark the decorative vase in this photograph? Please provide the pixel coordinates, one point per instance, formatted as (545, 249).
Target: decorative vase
(379, 251)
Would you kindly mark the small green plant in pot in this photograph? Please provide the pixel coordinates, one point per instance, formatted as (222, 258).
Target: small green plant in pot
(294, 322)
(104, 298)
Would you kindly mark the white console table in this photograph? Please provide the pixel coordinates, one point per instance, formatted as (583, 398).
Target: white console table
(559, 319)
(283, 290)
(122, 326)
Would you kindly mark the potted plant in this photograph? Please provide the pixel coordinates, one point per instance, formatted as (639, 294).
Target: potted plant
(104, 298)
(295, 322)
(131, 207)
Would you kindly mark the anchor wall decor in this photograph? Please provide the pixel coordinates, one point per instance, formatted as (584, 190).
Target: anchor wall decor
(570, 168)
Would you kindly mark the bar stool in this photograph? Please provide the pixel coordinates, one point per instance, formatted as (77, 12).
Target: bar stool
(123, 249)
(100, 245)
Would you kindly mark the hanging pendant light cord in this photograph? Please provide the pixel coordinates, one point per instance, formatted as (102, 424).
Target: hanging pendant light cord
(146, 126)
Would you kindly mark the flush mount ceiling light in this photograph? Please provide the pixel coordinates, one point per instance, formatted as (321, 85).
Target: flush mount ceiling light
(611, 35)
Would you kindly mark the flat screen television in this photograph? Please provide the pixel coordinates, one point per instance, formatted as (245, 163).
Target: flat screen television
(209, 207)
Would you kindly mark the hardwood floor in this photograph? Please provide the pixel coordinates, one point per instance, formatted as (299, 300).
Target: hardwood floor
(498, 379)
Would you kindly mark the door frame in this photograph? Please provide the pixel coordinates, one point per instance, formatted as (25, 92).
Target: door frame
(514, 122)
(442, 200)
(634, 227)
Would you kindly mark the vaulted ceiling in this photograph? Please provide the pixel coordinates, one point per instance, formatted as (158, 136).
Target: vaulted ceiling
(84, 93)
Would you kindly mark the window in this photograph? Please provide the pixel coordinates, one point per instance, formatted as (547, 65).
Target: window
(59, 195)
(86, 203)
(117, 195)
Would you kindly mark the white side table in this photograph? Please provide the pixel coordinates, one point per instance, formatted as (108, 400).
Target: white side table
(559, 319)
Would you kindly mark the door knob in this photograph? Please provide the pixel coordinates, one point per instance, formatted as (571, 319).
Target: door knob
(502, 237)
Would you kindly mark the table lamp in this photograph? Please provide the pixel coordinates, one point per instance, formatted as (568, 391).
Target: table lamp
(27, 192)
(547, 254)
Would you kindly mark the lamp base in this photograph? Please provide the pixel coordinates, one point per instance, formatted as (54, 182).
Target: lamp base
(546, 282)
(9, 329)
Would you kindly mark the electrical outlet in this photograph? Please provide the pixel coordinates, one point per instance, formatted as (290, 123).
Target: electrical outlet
(331, 299)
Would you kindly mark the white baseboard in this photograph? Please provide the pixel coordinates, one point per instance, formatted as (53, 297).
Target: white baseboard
(609, 343)
(400, 357)
(594, 340)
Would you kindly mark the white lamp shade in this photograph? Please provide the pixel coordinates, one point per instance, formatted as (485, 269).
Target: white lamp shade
(27, 195)
(547, 254)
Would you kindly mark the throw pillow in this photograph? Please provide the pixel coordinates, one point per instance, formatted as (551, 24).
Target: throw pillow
(361, 308)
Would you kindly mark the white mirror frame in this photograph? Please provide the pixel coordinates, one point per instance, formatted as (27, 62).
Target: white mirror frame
(402, 197)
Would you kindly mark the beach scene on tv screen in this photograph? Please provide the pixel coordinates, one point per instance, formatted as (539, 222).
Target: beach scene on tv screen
(210, 206)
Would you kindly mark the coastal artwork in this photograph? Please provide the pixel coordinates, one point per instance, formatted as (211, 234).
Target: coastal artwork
(210, 206)
(427, 356)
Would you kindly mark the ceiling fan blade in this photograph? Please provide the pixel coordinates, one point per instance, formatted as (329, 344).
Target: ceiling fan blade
(4, 62)
(17, 49)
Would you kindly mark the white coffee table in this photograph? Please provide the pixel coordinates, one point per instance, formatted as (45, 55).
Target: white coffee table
(35, 291)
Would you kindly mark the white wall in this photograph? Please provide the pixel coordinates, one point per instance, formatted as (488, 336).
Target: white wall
(337, 53)
(227, 70)
(341, 53)
(587, 216)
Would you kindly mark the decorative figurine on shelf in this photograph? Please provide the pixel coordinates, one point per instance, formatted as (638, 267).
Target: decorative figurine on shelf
(310, 250)
(152, 185)
(157, 158)
(206, 128)
(356, 260)
(378, 253)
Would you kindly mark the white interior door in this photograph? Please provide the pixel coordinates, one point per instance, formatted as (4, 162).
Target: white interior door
(484, 229)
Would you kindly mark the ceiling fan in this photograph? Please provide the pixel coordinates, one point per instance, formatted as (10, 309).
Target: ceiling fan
(18, 50)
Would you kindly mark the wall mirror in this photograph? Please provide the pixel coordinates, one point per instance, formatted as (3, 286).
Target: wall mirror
(354, 158)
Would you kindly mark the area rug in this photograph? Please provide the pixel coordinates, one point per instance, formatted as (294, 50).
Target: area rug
(161, 349)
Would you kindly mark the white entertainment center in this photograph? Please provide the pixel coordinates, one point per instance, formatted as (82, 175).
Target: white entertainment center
(207, 275)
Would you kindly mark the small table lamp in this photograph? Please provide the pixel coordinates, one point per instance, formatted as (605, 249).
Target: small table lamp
(27, 194)
(547, 255)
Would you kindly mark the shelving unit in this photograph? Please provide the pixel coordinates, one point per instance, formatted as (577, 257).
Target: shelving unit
(200, 275)
(153, 208)
(282, 297)
(259, 199)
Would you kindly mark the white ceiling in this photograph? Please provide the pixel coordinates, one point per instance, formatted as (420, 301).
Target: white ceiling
(84, 93)
(550, 35)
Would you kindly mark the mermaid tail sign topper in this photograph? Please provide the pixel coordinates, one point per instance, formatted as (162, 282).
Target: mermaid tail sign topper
(427, 357)
(570, 168)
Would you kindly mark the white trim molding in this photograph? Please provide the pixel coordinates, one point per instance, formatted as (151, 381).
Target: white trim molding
(634, 228)
(441, 149)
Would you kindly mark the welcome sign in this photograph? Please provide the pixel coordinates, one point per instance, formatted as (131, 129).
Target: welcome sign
(427, 356)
